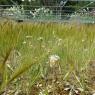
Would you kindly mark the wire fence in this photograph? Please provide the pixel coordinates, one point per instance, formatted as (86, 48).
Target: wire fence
(48, 13)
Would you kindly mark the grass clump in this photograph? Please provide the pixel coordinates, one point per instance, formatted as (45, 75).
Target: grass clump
(46, 58)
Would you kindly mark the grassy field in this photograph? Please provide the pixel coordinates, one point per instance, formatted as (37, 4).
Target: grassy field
(47, 59)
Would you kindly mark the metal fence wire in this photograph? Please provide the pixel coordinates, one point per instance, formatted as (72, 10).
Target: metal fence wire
(63, 13)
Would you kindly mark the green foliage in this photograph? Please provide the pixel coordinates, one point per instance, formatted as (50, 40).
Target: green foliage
(25, 49)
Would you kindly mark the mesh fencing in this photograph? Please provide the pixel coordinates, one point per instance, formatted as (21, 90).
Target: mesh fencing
(48, 13)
